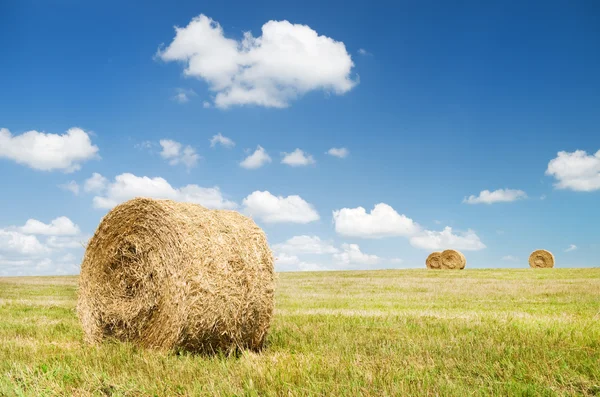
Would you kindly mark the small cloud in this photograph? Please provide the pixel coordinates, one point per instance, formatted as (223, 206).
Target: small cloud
(146, 145)
(206, 105)
(95, 184)
(338, 152)
(297, 158)
(175, 153)
(572, 247)
(363, 52)
(257, 159)
(219, 139)
(71, 186)
(183, 95)
(497, 196)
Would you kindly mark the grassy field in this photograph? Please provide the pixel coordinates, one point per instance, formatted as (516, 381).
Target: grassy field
(411, 332)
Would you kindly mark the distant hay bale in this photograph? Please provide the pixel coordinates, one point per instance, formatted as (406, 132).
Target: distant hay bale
(452, 259)
(434, 260)
(170, 275)
(541, 259)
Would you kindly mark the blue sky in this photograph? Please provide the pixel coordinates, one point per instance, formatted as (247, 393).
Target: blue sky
(432, 102)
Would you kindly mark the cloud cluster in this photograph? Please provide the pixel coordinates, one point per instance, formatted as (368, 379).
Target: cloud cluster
(175, 153)
(382, 221)
(22, 252)
(269, 208)
(286, 61)
(576, 171)
(127, 186)
(48, 152)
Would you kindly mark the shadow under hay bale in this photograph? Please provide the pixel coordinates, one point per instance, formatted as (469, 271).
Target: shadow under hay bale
(434, 260)
(453, 260)
(541, 259)
(177, 276)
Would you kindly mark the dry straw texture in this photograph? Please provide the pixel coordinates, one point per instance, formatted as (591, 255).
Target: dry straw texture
(452, 259)
(170, 275)
(434, 260)
(541, 259)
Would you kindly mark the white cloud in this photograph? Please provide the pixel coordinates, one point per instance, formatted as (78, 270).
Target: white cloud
(71, 186)
(16, 243)
(95, 184)
(297, 158)
(48, 152)
(352, 255)
(127, 186)
(175, 153)
(61, 226)
(509, 258)
(572, 247)
(363, 52)
(278, 209)
(382, 221)
(287, 61)
(219, 139)
(576, 171)
(432, 240)
(497, 196)
(341, 152)
(284, 259)
(183, 95)
(305, 245)
(57, 242)
(256, 159)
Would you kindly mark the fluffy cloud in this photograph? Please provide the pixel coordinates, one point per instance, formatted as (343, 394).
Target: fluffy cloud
(572, 247)
(287, 61)
(95, 184)
(175, 153)
(497, 196)
(277, 209)
(286, 260)
(432, 240)
(341, 152)
(305, 245)
(576, 171)
(16, 243)
(127, 186)
(61, 226)
(352, 255)
(57, 242)
(256, 159)
(219, 139)
(382, 221)
(71, 186)
(48, 152)
(297, 158)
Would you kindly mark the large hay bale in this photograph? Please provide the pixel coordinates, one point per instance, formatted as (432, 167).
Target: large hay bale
(541, 259)
(170, 275)
(434, 260)
(452, 259)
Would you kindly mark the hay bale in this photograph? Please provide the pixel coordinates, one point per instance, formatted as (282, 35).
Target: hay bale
(452, 259)
(541, 259)
(434, 260)
(170, 275)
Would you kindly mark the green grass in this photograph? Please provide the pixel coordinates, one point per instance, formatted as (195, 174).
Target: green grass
(412, 332)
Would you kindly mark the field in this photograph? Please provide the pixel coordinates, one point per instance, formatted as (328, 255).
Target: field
(397, 332)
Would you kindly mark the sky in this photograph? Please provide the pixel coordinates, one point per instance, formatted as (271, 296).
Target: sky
(358, 135)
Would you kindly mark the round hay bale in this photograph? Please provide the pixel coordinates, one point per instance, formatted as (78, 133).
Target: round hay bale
(452, 259)
(434, 260)
(169, 275)
(541, 259)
